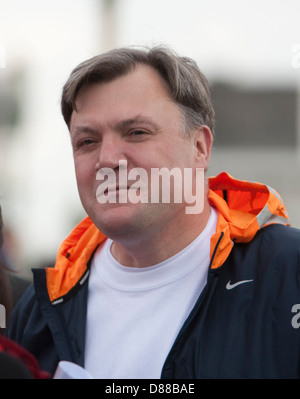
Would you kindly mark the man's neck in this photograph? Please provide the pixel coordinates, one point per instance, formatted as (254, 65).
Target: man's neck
(151, 250)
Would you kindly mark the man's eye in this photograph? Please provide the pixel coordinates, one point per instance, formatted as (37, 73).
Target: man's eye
(137, 132)
(85, 142)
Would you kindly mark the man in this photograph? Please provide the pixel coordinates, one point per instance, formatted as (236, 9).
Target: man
(146, 289)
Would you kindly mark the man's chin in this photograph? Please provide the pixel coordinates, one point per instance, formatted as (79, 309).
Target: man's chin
(115, 220)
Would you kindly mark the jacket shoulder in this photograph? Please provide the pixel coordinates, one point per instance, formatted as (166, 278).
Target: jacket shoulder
(280, 230)
(282, 239)
(274, 251)
(22, 314)
(29, 328)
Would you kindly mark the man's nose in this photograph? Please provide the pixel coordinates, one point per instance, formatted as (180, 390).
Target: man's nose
(111, 152)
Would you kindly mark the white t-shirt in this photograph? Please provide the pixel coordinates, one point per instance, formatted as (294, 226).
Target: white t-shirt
(135, 314)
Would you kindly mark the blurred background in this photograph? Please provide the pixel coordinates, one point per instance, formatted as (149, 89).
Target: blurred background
(249, 50)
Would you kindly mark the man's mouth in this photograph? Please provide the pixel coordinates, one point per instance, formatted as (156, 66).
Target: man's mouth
(115, 188)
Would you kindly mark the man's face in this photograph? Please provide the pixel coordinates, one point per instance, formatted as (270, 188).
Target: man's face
(132, 119)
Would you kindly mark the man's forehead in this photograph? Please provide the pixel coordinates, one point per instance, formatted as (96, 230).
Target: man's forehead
(132, 95)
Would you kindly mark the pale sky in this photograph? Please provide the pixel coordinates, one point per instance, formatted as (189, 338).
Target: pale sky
(231, 38)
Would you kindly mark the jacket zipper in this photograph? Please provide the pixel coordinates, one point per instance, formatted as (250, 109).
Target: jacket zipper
(194, 311)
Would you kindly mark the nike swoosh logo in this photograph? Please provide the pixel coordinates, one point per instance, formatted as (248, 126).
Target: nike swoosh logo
(230, 286)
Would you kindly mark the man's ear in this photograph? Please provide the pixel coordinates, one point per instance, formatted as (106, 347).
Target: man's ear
(203, 141)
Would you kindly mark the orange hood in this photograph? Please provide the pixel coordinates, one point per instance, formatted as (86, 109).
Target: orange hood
(243, 208)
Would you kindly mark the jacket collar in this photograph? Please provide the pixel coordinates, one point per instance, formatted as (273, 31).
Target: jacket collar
(244, 208)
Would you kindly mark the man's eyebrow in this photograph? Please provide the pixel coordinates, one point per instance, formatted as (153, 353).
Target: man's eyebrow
(139, 119)
(83, 129)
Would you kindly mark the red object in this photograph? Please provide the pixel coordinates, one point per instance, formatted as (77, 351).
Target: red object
(27, 359)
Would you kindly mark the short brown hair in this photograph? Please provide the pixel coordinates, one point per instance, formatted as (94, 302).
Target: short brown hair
(188, 86)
